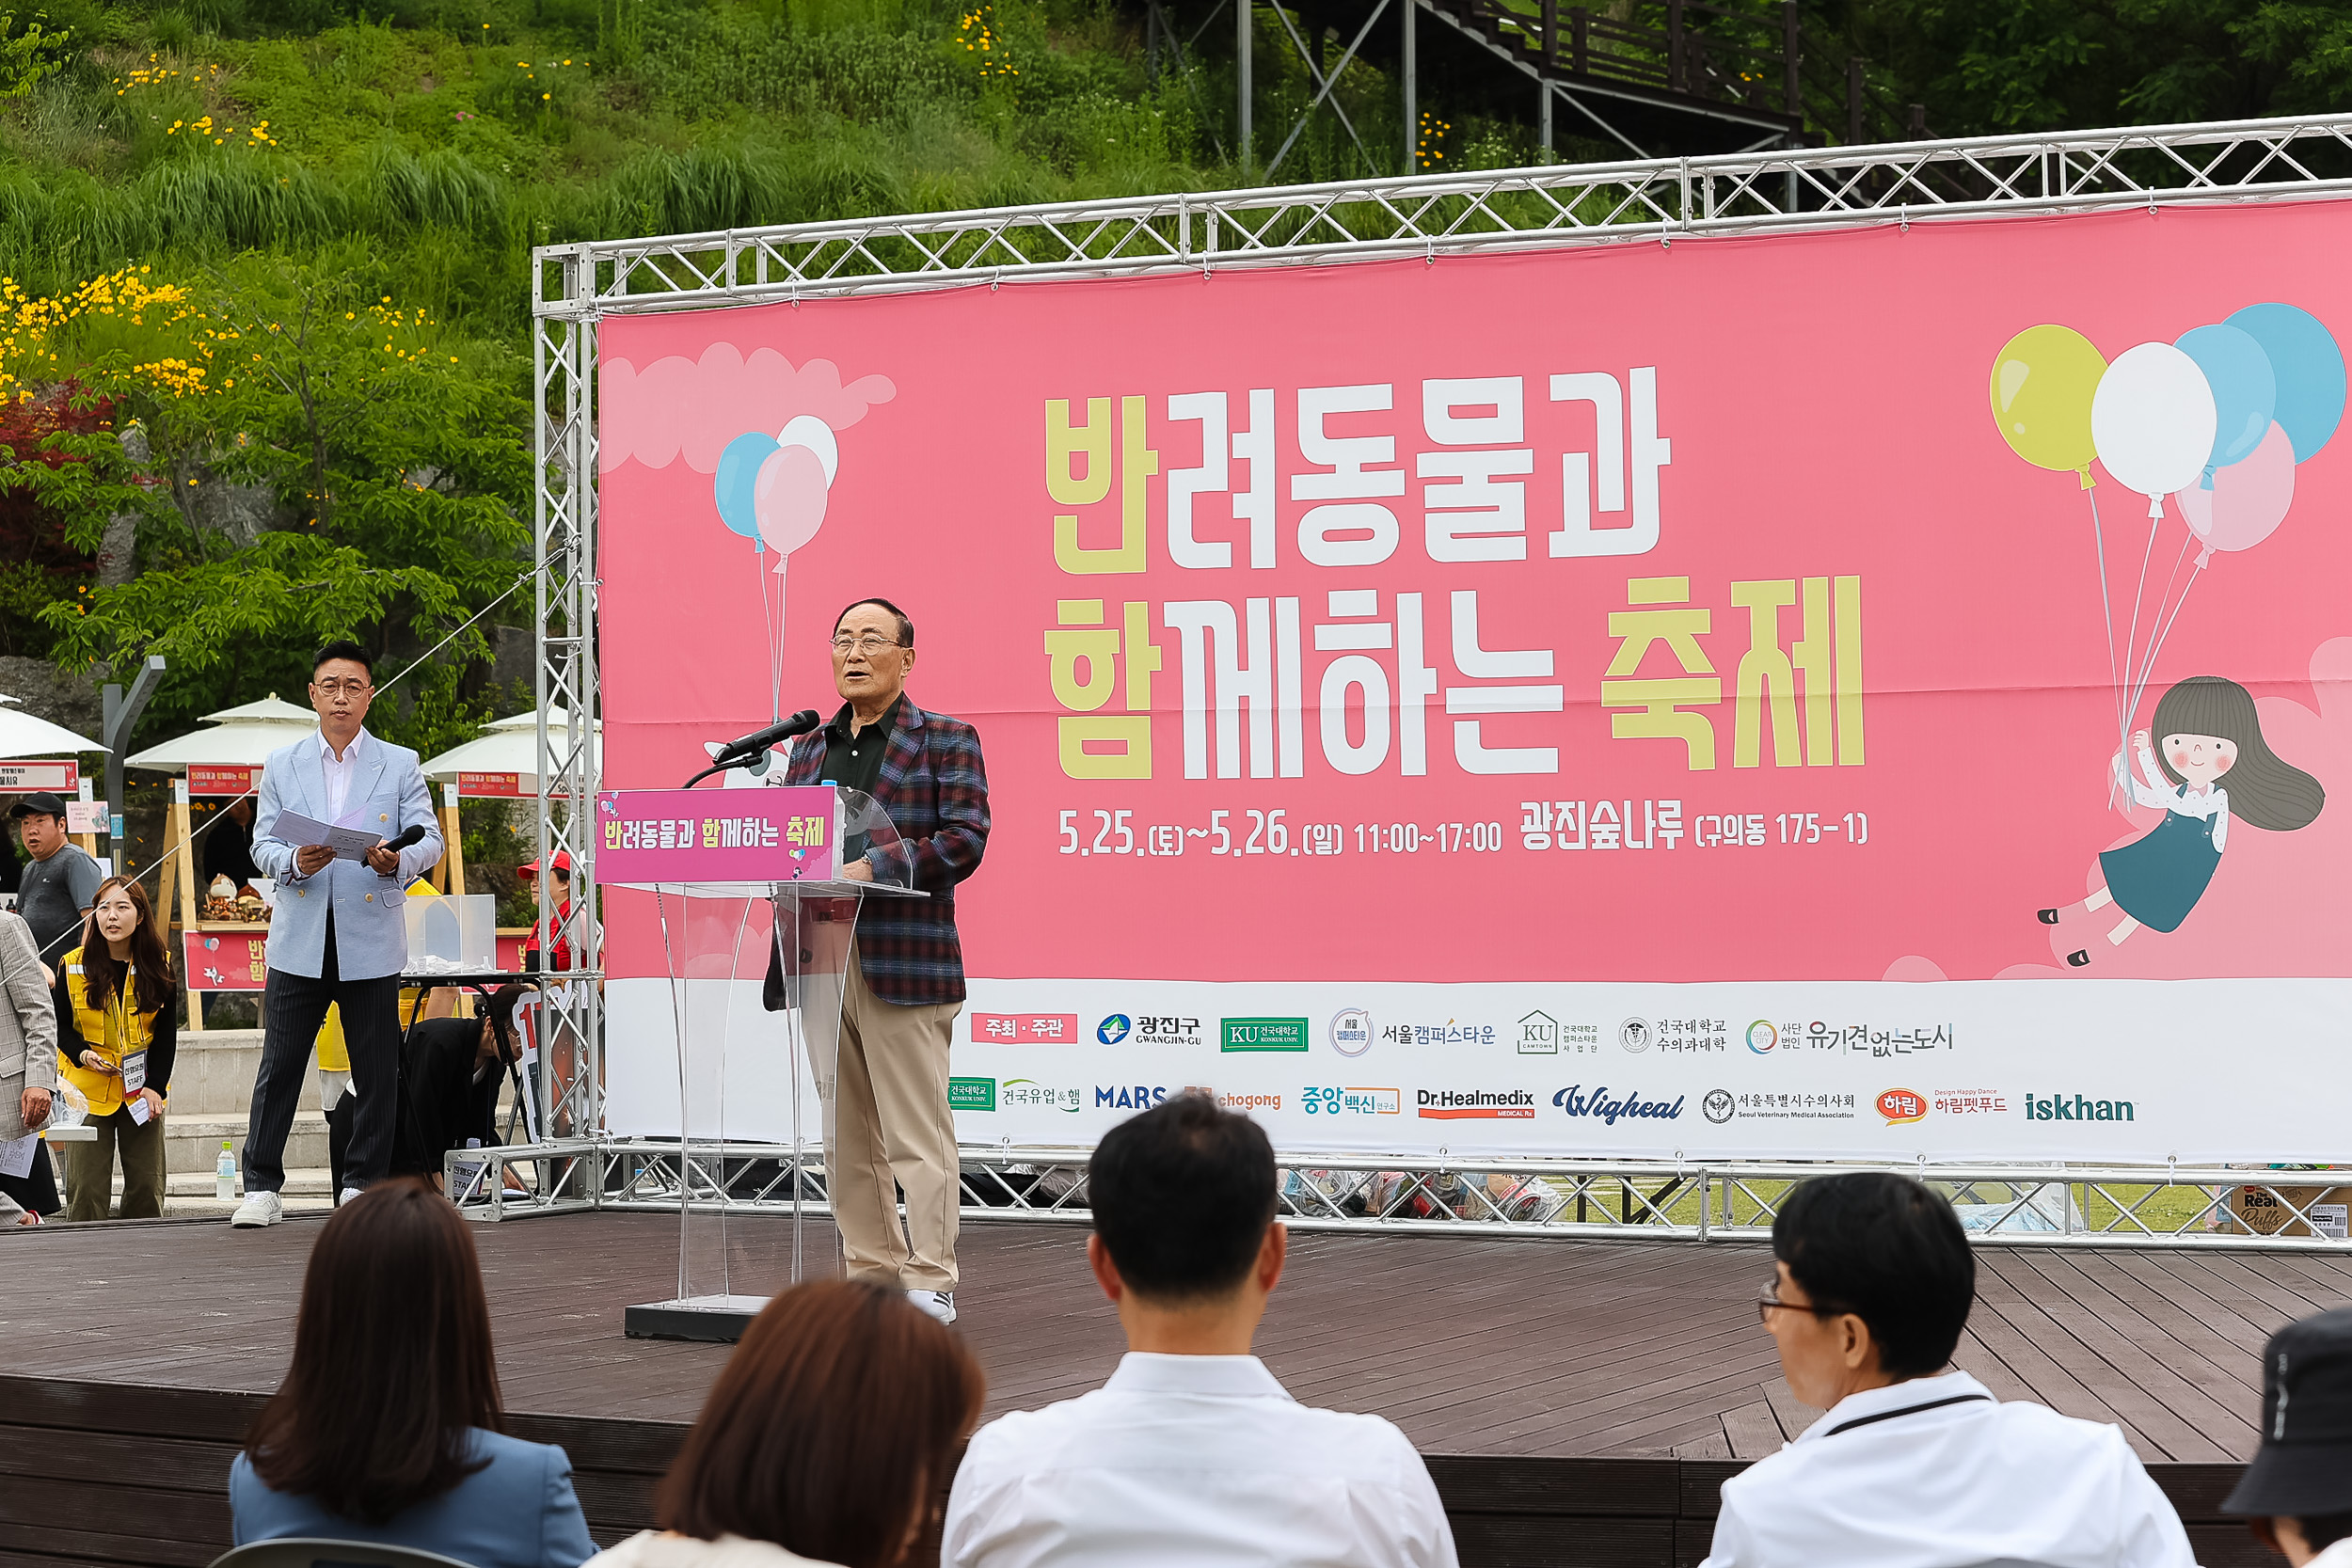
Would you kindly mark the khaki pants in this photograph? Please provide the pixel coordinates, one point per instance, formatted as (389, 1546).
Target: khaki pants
(891, 1124)
(90, 1174)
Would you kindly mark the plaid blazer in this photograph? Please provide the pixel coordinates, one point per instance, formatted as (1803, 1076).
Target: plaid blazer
(934, 787)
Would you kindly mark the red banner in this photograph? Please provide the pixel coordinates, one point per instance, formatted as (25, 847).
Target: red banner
(222, 779)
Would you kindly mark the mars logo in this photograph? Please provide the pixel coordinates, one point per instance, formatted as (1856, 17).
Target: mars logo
(1763, 1037)
(1351, 1031)
(1903, 1105)
(1112, 1029)
(1719, 1106)
(1633, 1033)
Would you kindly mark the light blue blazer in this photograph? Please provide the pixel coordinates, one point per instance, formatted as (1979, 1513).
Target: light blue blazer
(519, 1512)
(389, 795)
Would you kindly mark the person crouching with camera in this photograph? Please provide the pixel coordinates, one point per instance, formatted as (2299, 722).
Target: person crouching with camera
(118, 1029)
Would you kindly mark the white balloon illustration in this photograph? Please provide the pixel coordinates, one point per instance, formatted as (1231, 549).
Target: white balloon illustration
(2152, 421)
(807, 429)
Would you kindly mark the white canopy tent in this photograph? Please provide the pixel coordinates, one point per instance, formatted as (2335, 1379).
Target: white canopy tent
(240, 737)
(22, 735)
(509, 745)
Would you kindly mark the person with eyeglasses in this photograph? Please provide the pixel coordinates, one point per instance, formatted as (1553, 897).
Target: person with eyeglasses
(1916, 1464)
(893, 1128)
(338, 934)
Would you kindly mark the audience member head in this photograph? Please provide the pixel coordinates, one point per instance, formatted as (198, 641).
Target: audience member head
(40, 819)
(1183, 1202)
(1873, 1284)
(830, 1431)
(501, 1017)
(122, 919)
(391, 1360)
(2299, 1487)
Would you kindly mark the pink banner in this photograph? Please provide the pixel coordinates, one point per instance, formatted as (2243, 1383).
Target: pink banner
(715, 835)
(1635, 613)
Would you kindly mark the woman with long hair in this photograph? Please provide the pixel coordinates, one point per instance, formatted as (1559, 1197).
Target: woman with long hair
(828, 1439)
(2204, 727)
(118, 1030)
(389, 1427)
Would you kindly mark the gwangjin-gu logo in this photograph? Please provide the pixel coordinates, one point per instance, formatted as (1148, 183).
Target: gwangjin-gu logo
(2057, 1107)
(1576, 1102)
(1112, 1029)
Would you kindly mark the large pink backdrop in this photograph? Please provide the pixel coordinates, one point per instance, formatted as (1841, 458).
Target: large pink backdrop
(1936, 680)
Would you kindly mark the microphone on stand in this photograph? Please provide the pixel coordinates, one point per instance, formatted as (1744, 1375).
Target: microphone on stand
(753, 747)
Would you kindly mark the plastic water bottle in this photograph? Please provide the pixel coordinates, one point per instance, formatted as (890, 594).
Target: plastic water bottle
(224, 1176)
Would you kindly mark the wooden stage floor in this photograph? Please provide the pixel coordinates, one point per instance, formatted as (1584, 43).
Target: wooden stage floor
(1581, 1401)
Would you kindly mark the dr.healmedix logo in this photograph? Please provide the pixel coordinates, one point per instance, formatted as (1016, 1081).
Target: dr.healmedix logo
(2057, 1107)
(1483, 1104)
(1576, 1102)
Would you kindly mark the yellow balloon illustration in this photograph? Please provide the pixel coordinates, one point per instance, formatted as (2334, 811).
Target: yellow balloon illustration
(2043, 382)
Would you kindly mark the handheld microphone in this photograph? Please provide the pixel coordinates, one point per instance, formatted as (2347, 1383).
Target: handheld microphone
(735, 752)
(411, 835)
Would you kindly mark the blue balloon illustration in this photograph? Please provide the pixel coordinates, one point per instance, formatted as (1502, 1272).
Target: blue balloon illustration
(2244, 392)
(731, 487)
(2309, 368)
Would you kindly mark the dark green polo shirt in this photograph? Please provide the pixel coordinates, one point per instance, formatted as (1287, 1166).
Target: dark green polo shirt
(856, 763)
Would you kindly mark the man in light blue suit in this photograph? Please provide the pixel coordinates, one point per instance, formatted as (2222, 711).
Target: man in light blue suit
(338, 933)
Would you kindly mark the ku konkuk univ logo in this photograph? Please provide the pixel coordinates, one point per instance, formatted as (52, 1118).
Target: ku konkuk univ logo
(1609, 1107)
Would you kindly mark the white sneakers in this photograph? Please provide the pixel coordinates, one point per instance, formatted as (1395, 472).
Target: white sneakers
(346, 1195)
(938, 1304)
(258, 1208)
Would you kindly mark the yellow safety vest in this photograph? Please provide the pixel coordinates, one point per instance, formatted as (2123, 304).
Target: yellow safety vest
(113, 1031)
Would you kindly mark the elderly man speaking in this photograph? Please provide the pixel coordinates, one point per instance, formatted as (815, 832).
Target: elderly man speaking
(905, 985)
(339, 933)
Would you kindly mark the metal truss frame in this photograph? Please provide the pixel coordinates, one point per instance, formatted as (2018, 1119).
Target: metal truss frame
(1652, 202)
(1661, 1200)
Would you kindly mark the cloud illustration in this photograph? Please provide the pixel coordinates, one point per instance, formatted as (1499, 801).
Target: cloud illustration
(677, 407)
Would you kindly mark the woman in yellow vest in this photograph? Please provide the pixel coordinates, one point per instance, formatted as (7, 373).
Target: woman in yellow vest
(118, 1026)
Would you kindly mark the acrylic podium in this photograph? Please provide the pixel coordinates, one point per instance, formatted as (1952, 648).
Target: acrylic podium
(747, 888)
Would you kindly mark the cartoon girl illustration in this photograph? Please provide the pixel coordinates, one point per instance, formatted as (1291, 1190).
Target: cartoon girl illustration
(2204, 727)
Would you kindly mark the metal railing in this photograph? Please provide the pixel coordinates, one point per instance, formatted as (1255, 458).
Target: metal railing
(2001, 1204)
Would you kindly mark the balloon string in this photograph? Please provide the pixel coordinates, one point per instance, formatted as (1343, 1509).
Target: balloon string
(2131, 639)
(2157, 646)
(775, 646)
(2106, 608)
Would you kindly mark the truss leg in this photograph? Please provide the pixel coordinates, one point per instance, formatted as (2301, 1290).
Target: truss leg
(1543, 119)
(1245, 13)
(1411, 76)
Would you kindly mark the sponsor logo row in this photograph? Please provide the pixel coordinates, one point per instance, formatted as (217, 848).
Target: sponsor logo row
(1351, 1032)
(1605, 1103)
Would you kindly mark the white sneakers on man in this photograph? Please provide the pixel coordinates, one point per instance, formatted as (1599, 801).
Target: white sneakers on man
(938, 1304)
(257, 1209)
(346, 1195)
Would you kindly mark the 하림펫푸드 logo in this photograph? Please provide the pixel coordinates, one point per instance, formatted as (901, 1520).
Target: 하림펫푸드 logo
(1128, 1097)
(1634, 1034)
(1477, 1104)
(1261, 1033)
(971, 1093)
(1351, 1031)
(1719, 1106)
(2057, 1107)
(1539, 1036)
(1113, 1029)
(1763, 1037)
(1628, 1105)
(1903, 1105)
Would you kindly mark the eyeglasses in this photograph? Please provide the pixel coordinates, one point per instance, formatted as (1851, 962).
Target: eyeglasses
(354, 688)
(1770, 1302)
(869, 644)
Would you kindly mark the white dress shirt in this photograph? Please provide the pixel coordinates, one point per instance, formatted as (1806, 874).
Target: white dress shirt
(1193, 1459)
(339, 772)
(2161, 793)
(1968, 1483)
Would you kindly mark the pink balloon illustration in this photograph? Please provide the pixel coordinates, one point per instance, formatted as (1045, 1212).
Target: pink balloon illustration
(2248, 498)
(788, 499)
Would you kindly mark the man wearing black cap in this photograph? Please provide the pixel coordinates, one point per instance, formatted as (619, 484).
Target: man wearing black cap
(2300, 1487)
(57, 890)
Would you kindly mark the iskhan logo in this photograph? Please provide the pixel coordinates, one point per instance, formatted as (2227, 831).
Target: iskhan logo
(2058, 1107)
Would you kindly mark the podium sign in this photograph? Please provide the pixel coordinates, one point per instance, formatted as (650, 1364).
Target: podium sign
(783, 834)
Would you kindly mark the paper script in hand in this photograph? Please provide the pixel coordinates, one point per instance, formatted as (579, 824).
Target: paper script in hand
(16, 1158)
(349, 844)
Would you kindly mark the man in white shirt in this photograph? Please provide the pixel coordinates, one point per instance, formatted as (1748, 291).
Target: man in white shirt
(1192, 1453)
(1916, 1466)
(2300, 1487)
